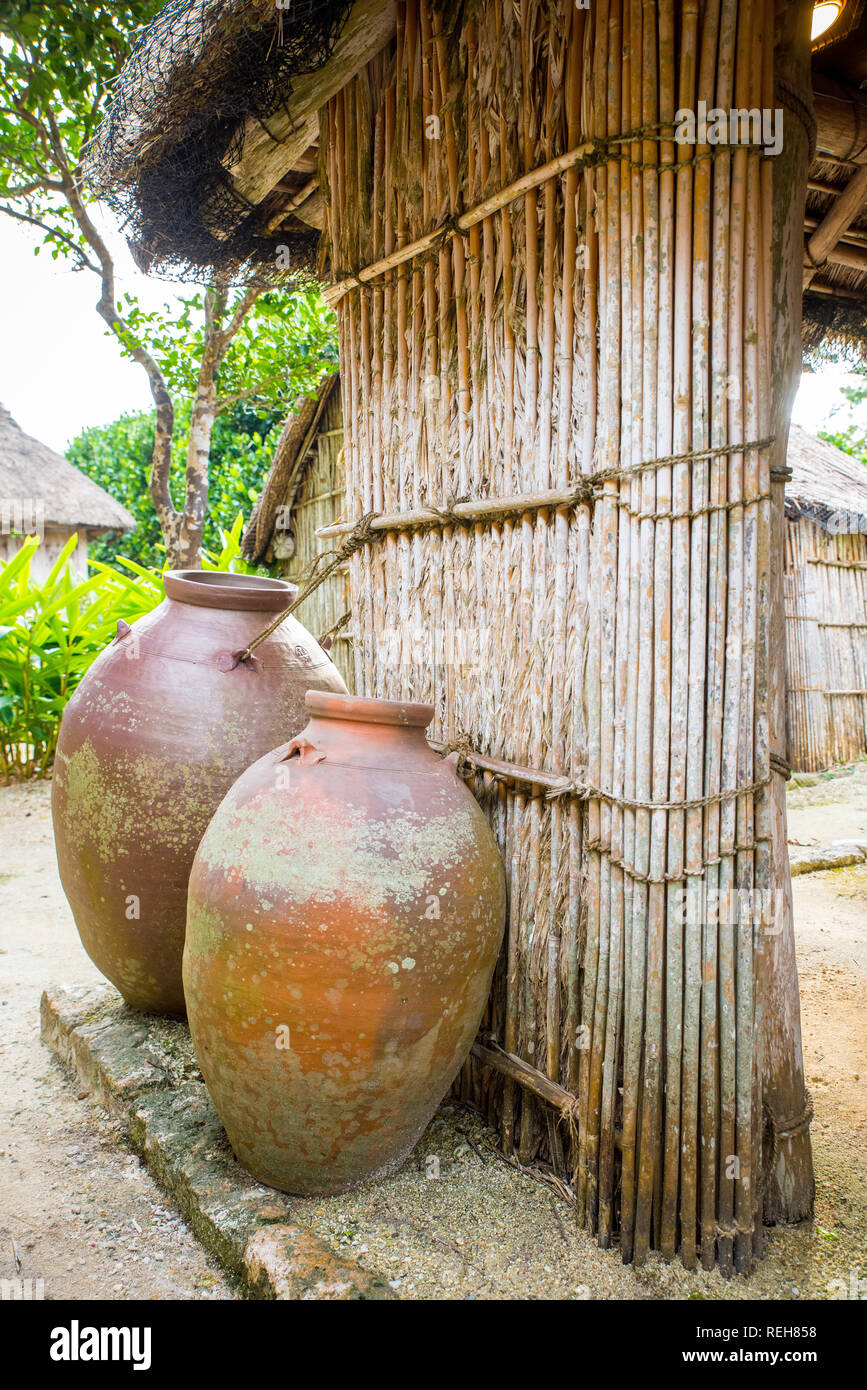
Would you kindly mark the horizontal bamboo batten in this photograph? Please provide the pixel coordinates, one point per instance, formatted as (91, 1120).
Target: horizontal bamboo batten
(584, 156)
(462, 512)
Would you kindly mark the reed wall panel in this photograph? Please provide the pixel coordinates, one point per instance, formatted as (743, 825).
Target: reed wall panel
(826, 645)
(465, 374)
(320, 500)
(616, 314)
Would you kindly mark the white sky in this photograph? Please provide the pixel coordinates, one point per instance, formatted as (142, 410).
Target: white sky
(59, 372)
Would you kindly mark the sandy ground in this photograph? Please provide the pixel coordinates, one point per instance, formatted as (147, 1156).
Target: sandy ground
(79, 1211)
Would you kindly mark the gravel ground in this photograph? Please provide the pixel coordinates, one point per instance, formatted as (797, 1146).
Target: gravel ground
(456, 1221)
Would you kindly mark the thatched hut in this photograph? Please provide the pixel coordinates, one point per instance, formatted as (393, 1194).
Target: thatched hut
(305, 490)
(826, 604)
(566, 249)
(42, 493)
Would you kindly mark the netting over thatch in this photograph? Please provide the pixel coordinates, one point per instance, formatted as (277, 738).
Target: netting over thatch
(178, 116)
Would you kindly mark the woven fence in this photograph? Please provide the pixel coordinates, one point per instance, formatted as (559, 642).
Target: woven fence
(826, 642)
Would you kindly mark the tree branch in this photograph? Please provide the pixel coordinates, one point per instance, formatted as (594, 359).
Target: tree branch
(49, 185)
(85, 263)
(242, 309)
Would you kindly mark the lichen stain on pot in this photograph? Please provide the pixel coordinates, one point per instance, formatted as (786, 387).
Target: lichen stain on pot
(151, 740)
(344, 922)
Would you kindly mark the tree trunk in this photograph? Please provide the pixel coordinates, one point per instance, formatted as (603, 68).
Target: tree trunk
(189, 546)
(788, 1156)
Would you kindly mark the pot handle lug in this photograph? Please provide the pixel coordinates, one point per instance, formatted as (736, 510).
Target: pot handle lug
(227, 661)
(451, 760)
(123, 630)
(307, 752)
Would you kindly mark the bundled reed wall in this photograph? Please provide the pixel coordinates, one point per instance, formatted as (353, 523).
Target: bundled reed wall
(608, 633)
(318, 499)
(826, 645)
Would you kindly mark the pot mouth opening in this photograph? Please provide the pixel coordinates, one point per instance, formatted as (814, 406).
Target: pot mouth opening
(217, 589)
(363, 709)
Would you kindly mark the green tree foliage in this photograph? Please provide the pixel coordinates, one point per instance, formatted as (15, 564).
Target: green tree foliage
(280, 353)
(59, 59)
(281, 350)
(853, 437)
(118, 457)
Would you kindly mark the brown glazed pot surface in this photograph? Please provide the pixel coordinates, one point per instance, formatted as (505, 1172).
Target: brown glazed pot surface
(346, 909)
(152, 739)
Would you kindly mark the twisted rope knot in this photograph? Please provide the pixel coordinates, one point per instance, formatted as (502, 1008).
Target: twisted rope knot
(447, 512)
(361, 534)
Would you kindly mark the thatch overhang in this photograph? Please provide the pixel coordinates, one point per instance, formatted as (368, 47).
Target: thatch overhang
(285, 473)
(210, 146)
(44, 483)
(827, 486)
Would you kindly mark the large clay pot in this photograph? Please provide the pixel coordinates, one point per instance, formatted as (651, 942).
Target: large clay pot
(346, 909)
(154, 736)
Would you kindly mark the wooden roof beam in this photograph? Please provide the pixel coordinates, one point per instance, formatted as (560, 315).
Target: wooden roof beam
(841, 215)
(266, 155)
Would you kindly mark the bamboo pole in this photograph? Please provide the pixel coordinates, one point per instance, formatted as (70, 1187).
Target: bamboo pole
(675, 212)
(657, 429)
(560, 836)
(509, 476)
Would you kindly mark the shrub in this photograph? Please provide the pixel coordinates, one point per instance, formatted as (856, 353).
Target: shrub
(50, 633)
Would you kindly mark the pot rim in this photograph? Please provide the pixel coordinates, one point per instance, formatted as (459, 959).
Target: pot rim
(364, 709)
(217, 589)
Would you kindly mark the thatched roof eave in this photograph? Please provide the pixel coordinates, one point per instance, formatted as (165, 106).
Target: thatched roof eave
(827, 486)
(284, 475)
(215, 112)
(37, 480)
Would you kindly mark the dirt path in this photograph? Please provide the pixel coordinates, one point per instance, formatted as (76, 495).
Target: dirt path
(77, 1210)
(83, 1215)
(831, 924)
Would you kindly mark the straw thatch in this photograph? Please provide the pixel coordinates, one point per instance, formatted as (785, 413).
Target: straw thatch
(827, 485)
(297, 439)
(205, 80)
(66, 499)
(826, 604)
(306, 490)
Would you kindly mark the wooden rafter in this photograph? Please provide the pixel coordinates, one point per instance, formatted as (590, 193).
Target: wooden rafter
(824, 244)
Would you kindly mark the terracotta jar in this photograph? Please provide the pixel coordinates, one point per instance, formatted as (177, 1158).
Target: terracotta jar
(346, 910)
(154, 736)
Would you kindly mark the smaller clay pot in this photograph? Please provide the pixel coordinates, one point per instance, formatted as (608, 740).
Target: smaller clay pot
(346, 908)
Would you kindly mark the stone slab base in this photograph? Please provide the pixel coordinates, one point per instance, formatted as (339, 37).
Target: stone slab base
(840, 854)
